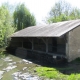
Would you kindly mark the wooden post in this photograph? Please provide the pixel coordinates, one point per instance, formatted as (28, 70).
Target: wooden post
(46, 45)
(31, 40)
(32, 44)
(22, 42)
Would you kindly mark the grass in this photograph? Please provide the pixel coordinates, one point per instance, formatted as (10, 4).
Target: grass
(76, 60)
(53, 73)
(50, 73)
(2, 52)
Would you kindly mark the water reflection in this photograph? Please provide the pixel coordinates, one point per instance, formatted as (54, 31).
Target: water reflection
(14, 68)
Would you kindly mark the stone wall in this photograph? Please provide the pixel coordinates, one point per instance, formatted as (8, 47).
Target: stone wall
(74, 44)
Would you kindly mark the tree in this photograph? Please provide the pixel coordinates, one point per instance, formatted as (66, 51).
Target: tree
(23, 18)
(63, 11)
(6, 28)
(75, 13)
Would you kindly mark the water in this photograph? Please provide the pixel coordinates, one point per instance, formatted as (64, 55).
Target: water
(14, 68)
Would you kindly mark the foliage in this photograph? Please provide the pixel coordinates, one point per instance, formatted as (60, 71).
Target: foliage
(2, 52)
(22, 17)
(77, 60)
(63, 11)
(74, 77)
(6, 28)
(50, 73)
(53, 73)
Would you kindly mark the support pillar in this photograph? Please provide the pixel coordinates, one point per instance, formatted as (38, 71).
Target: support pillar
(46, 45)
(22, 42)
(32, 44)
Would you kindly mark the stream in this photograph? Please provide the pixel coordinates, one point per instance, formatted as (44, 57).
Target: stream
(14, 68)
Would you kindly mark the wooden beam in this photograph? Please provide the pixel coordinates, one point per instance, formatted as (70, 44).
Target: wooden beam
(46, 45)
(44, 40)
(30, 40)
(22, 43)
(32, 44)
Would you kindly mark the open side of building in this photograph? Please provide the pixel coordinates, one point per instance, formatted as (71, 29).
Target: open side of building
(50, 42)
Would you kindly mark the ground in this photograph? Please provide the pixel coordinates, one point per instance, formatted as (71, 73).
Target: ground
(14, 68)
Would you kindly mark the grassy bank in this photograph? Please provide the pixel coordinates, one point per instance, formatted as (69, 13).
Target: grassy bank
(55, 74)
(2, 52)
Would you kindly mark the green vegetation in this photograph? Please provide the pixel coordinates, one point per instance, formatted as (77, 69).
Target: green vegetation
(6, 28)
(22, 17)
(2, 52)
(51, 73)
(76, 60)
(11, 21)
(63, 11)
(55, 74)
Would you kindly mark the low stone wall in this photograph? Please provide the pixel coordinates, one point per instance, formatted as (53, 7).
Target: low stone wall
(21, 52)
(46, 58)
(11, 50)
(43, 57)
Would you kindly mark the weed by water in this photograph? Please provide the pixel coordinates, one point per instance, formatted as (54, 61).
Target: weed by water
(53, 73)
(50, 73)
(77, 59)
(2, 52)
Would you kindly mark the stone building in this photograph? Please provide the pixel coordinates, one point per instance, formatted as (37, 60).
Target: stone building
(50, 42)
